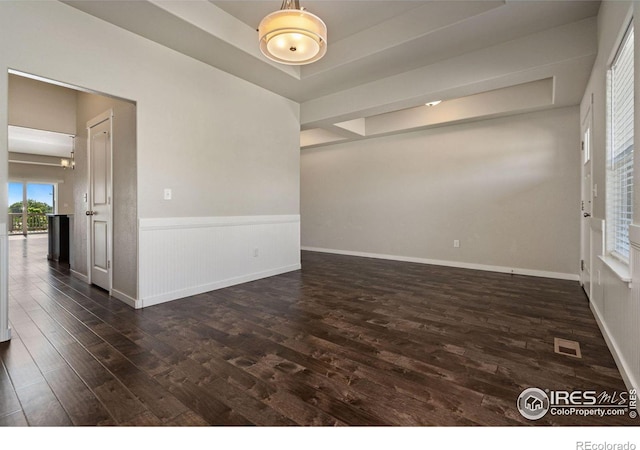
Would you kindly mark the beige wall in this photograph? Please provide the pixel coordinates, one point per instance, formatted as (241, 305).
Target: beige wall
(125, 243)
(507, 189)
(33, 104)
(224, 146)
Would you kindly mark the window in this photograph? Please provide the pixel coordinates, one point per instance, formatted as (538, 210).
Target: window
(620, 149)
(29, 204)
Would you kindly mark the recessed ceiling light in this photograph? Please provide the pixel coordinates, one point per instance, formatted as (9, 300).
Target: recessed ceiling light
(434, 103)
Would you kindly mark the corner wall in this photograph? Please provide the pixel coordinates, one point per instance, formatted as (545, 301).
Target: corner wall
(507, 189)
(226, 147)
(614, 301)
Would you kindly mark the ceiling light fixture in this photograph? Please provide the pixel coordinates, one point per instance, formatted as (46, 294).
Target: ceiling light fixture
(292, 35)
(434, 103)
(66, 163)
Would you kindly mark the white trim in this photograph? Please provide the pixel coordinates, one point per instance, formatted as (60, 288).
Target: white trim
(195, 290)
(627, 374)
(458, 264)
(100, 118)
(87, 203)
(620, 269)
(126, 299)
(56, 83)
(622, 32)
(80, 276)
(634, 235)
(5, 335)
(171, 223)
(597, 224)
(107, 115)
(36, 180)
(35, 163)
(5, 330)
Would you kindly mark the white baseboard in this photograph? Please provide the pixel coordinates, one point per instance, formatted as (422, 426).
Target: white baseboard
(195, 290)
(461, 265)
(625, 371)
(5, 335)
(126, 299)
(80, 276)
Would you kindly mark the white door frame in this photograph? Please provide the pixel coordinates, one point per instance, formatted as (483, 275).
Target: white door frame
(5, 331)
(586, 241)
(107, 115)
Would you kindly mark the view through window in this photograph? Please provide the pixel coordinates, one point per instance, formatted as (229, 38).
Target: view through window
(29, 204)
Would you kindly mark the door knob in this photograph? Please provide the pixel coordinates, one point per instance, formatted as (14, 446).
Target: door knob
(90, 213)
(586, 215)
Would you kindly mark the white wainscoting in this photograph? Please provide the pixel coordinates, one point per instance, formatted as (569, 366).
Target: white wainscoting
(5, 331)
(180, 257)
(618, 314)
(597, 267)
(458, 264)
(631, 312)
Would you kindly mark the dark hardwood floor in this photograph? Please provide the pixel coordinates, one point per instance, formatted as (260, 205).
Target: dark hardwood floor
(345, 341)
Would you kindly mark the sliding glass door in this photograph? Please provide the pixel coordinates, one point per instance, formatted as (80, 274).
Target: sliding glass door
(29, 204)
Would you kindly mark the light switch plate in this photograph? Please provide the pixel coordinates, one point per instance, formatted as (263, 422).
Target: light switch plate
(167, 194)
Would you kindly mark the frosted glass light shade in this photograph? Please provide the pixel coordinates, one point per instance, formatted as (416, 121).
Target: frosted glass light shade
(293, 36)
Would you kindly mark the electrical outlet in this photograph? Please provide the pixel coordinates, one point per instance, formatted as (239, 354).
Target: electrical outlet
(456, 244)
(167, 194)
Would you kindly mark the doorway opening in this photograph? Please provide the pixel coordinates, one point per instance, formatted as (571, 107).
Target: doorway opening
(46, 182)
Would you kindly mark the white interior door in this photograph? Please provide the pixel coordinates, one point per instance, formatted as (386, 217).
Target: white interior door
(99, 212)
(586, 208)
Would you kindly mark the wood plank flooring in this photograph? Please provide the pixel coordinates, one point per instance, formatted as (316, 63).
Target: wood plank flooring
(345, 341)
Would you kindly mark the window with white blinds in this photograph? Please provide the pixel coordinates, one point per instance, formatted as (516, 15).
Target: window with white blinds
(620, 137)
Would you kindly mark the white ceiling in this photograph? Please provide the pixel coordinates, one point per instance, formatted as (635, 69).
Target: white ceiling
(383, 56)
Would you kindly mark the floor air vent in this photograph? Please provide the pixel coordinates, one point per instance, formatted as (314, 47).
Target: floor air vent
(568, 348)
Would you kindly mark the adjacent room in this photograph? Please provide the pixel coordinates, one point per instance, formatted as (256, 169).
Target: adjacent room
(406, 213)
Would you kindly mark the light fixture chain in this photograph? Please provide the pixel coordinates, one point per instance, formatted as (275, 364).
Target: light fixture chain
(290, 4)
